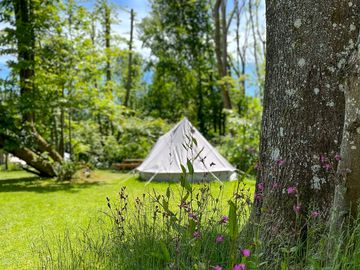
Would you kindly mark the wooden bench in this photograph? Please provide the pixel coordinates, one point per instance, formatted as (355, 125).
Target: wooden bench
(127, 164)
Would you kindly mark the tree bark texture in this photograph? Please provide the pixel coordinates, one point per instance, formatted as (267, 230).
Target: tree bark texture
(129, 76)
(307, 42)
(44, 167)
(220, 38)
(349, 165)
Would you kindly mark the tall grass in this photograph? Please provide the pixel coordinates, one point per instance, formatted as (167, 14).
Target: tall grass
(195, 228)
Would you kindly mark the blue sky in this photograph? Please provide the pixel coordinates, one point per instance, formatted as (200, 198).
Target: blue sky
(141, 8)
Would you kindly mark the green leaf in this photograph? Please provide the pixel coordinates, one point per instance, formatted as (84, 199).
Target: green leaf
(190, 167)
(165, 251)
(183, 169)
(284, 266)
(233, 221)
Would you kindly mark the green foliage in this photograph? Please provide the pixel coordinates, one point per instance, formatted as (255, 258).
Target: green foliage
(133, 137)
(178, 34)
(65, 171)
(240, 146)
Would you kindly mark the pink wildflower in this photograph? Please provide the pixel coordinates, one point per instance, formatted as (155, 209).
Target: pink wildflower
(275, 185)
(297, 208)
(196, 234)
(241, 266)
(217, 267)
(192, 216)
(257, 197)
(246, 252)
(337, 157)
(224, 219)
(291, 190)
(260, 187)
(327, 167)
(280, 162)
(322, 158)
(219, 238)
(315, 214)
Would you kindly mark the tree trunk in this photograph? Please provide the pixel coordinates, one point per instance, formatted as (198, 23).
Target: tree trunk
(129, 78)
(303, 111)
(107, 25)
(349, 169)
(44, 167)
(220, 39)
(6, 161)
(25, 48)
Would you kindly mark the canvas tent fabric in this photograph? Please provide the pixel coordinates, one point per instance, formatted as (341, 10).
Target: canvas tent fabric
(175, 148)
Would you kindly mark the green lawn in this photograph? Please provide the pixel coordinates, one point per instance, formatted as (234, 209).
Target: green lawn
(33, 209)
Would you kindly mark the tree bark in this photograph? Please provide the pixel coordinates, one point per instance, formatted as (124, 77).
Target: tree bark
(303, 111)
(220, 38)
(129, 77)
(107, 25)
(25, 37)
(348, 186)
(44, 167)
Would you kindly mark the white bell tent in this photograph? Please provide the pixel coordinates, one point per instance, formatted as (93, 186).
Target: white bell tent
(184, 142)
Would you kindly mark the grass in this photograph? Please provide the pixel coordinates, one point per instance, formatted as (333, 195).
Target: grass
(33, 208)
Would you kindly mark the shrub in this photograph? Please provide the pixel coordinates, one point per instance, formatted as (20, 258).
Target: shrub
(65, 171)
(241, 145)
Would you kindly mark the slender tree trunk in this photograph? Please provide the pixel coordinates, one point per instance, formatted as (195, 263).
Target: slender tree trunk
(70, 135)
(303, 111)
(62, 126)
(107, 25)
(6, 161)
(220, 39)
(200, 105)
(129, 77)
(241, 53)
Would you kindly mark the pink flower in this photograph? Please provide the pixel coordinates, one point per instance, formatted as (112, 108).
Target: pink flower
(246, 252)
(241, 266)
(260, 187)
(327, 167)
(196, 234)
(297, 208)
(257, 197)
(217, 267)
(280, 162)
(219, 238)
(291, 190)
(322, 158)
(192, 216)
(224, 219)
(315, 214)
(337, 157)
(275, 185)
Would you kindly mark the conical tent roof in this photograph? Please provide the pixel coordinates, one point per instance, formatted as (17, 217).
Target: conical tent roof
(174, 148)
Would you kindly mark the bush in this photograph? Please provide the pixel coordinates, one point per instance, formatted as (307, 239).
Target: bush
(132, 138)
(241, 146)
(65, 171)
(11, 167)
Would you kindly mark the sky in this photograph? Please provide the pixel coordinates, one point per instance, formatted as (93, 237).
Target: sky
(122, 28)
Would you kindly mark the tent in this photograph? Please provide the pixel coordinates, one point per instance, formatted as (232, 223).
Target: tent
(184, 142)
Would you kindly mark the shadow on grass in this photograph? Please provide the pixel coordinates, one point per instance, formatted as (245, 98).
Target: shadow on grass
(40, 185)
